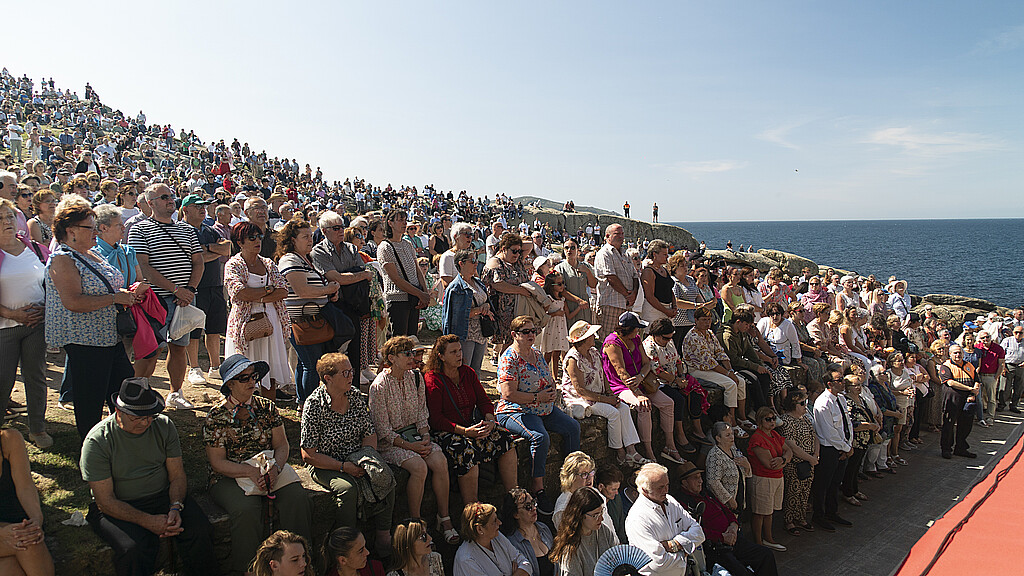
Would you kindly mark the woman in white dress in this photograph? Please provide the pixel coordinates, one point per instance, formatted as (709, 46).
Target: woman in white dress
(257, 290)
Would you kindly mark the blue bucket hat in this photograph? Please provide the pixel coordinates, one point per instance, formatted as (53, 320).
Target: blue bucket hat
(235, 365)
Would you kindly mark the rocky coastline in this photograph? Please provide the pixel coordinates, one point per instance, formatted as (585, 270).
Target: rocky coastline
(952, 308)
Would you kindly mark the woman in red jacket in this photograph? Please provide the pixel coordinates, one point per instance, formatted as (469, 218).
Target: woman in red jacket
(462, 420)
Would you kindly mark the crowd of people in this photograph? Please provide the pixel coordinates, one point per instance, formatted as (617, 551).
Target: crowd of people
(122, 242)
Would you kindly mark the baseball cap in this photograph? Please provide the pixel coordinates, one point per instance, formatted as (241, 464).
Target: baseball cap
(194, 199)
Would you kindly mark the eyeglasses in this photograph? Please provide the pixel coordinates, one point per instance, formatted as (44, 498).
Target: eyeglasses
(243, 378)
(335, 228)
(599, 513)
(528, 331)
(590, 474)
(346, 373)
(91, 228)
(406, 353)
(558, 283)
(529, 505)
(81, 185)
(164, 197)
(517, 251)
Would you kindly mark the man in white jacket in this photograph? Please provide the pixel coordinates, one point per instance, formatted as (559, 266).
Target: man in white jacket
(659, 525)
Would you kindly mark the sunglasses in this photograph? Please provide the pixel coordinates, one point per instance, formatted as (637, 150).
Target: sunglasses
(243, 378)
(252, 237)
(25, 195)
(517, 251)
(406, 353)
(529, 505)
(528, 331)
(164, 197)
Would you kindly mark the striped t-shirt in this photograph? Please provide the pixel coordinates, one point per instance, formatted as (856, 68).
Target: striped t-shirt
(292, 262)
(170, 248)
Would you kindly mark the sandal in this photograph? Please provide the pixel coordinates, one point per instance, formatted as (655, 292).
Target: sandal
(637, 459)
(808, 527)
(672, 456)
(795, 531)
(451, 536)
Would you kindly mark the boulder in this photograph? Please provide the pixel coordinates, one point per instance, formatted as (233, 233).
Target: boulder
(677, 237)
(840, 271)
(954, 300)
(752, 259)
(790, 263)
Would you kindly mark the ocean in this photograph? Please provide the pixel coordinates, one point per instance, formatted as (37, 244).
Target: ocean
(977, 258)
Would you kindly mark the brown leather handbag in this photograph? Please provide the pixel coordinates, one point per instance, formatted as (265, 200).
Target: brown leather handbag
(311, 328)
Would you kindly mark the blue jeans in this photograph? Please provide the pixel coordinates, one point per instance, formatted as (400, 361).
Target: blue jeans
(535, 429)
(473, 354)
(306, 377)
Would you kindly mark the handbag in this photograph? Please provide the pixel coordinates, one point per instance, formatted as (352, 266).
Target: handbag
(258, 325)
(312, 328)
(124, 321)
(803, 470)
(488, 327)
(410, 433)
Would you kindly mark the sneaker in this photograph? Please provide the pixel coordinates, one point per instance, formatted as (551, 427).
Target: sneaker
(774, 546)
(41, 440)
(545, 506)
(195, 376)
(178, 401)
(213, 374)
(69, 406)
(983, 423)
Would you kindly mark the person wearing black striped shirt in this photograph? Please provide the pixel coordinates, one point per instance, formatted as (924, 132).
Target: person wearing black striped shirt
(172, 261)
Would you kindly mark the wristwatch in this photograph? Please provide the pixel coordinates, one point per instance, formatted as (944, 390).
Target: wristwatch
(191, 289)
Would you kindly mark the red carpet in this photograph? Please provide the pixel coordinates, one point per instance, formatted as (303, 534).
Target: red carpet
(989, 539)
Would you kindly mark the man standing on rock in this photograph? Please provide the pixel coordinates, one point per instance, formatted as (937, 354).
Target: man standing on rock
(625, 209)
(655, 210)
(617, 280)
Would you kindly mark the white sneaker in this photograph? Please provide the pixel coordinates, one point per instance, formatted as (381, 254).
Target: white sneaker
(177, 401)
(213, 374)
(195, 376)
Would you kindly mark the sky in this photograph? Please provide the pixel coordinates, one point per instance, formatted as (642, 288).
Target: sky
(717, 111)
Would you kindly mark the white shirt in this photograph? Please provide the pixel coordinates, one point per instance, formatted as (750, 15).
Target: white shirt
(648, 525)
(473, 559)
(492, 245)
(1014, 350)
(21, 282)
(829, 414)
(782, 338)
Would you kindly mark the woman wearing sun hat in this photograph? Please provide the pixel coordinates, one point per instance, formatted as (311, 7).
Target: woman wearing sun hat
(240, 427)
(585, 391)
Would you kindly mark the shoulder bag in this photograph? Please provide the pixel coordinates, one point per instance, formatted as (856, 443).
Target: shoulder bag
(311, 329)
(258, 325)
(124, 320)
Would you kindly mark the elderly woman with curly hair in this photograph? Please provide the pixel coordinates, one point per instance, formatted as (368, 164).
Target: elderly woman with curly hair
(258, 322)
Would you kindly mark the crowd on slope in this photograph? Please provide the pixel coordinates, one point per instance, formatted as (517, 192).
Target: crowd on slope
(120, 239)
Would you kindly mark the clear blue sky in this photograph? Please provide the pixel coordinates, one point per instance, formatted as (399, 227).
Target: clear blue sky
(716, 110)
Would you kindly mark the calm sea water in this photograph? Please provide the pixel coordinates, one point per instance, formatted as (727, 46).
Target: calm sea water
(979, 258)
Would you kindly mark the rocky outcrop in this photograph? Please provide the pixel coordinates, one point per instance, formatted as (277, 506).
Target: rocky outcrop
(954, 300)
(571, 222)
(790, 263)
(752, 259)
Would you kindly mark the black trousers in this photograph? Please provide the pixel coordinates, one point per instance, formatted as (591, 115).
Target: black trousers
(680, 334)
(828, 475)
(744, 559)
(956, 424)
(850, 484)
(405, 318)
(135, 548)
(96, 373)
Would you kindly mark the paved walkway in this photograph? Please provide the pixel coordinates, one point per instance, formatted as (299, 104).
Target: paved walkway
(900, 510)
